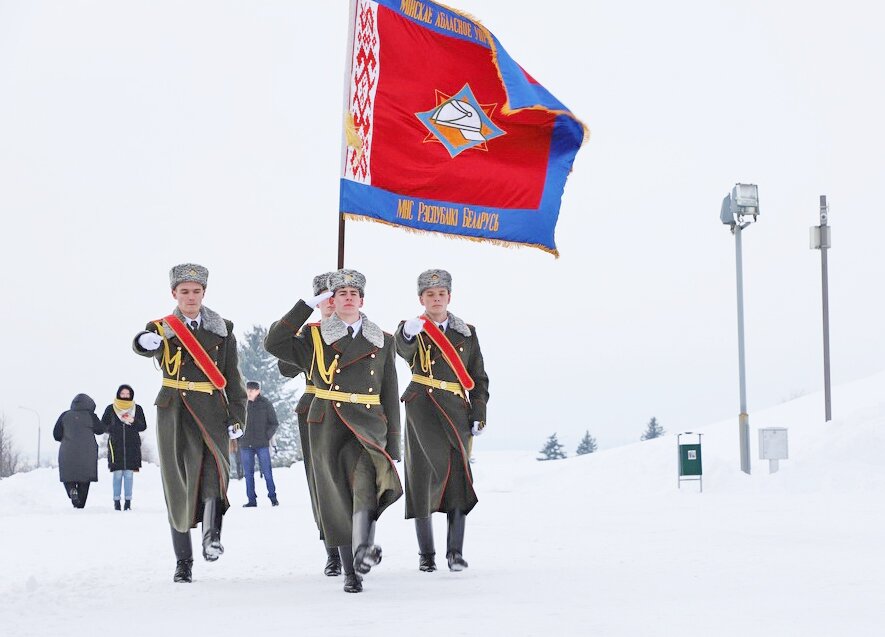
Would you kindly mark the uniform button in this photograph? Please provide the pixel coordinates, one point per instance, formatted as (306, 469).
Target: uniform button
(430, 390)
(337, 387)
(370, 390)
(337, 356)
(372, 372)
(443, 384)
(337, 404)
(368, 406)
(373, 356)
(433, 362)
(179, 349)
(460, 349)
(184, 393)
(183, 378)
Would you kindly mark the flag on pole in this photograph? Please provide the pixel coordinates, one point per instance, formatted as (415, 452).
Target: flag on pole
(445, 132)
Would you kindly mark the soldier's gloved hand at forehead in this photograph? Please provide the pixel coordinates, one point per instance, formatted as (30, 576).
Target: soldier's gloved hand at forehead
(313, 301)
(149, 341)
(412, 327)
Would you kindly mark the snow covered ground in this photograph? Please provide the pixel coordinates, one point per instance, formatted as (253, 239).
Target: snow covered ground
(603, 544)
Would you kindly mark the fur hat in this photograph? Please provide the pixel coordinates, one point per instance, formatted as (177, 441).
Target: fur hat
(320, 283)
(347, 279)
(253, 384)
(186, 272)
(434, 278)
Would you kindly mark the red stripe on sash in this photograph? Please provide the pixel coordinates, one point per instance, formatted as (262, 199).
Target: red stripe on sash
(201, 358)
(448, 351)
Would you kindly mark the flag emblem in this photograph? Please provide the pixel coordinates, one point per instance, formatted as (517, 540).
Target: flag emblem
(459, 122)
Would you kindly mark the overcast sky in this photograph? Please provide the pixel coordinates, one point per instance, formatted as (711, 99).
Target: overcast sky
(137, 135)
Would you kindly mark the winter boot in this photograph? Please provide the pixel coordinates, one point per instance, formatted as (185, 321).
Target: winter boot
(426, 552)
(128, 505)
(181, 542)
(75, 497)
(333, 562)
(212, 548)
(273, 501)
(455, 546)
(367, 553)
(116, 505)
(353, 582)
(250, 503)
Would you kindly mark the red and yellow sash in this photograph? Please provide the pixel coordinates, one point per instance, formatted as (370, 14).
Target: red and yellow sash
(192, 345)
(448, 352)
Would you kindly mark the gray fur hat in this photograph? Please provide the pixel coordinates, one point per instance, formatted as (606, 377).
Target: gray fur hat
(347, 279)
(320, 283)
(185, 272)
(434, 278)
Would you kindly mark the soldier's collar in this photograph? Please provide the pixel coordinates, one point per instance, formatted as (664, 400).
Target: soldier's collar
(459, 326)
(209, 320)
(333, 329)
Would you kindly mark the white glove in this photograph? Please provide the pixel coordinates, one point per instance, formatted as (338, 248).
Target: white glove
(149, 341)
(477, 428)
(313, 301)
(234, 431)
(413, 327)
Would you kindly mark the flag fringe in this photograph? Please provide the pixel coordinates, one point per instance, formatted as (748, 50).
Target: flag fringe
(497, 242)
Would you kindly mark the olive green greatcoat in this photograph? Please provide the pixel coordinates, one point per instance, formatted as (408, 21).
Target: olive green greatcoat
(346, 437)
(192, 425)
(438, 422)
(291, 371)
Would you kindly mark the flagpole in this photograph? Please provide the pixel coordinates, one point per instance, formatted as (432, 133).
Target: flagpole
(348, 69)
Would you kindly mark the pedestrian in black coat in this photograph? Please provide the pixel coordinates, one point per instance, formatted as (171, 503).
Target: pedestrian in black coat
(76, 429)
(124, 420)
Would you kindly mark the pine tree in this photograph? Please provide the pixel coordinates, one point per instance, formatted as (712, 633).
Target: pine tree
(654, 430)
(588, 444)
(259, 365)
(552, 449)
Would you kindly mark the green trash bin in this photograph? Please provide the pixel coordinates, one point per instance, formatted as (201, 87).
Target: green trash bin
(690, 463)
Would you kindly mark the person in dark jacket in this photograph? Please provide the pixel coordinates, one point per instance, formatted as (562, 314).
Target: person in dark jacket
(123, 420)
(76, 429)
(261, 425)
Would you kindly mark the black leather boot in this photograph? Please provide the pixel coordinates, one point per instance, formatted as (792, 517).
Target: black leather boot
(128, 505)
(353, 583)
(333, 562)
(212, 548)
(426, 552)
(116, 505)
(367, 553)
(181, 543)
(455, 545)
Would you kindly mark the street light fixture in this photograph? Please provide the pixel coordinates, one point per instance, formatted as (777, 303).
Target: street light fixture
(36, 413)
(740, 208)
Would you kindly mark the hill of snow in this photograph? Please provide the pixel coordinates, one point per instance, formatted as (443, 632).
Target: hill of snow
(602, 544)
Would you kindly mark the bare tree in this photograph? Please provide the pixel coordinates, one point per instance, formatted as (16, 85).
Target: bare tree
(10, 457)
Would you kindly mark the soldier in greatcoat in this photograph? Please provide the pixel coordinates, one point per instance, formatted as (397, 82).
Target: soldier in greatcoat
(445, 408)
(354, 420)
(333, 557)
(201, 404)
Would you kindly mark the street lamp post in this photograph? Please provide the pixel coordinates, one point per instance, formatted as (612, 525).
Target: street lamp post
(740, 208)
(36, 413)
(820, 240)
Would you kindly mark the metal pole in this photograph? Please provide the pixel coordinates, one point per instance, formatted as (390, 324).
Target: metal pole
(743, 418)
(36, 413)
(824, 237)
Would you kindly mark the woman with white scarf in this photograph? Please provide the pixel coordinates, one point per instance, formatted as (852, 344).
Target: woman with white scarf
(124, 420)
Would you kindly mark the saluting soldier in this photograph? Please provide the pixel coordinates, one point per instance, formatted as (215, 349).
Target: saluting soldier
(201, 404)
(333, 557)
(354, 420)
(445, 407)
